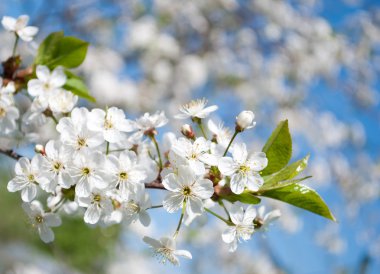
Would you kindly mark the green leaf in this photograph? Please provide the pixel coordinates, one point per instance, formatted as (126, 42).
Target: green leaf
(301, 196)
(59, 50)
(246, 197)
(278, 148)
(285, 174)
(76, 86)
(47, 49)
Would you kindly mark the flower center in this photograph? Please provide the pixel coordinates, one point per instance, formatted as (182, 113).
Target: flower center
(97, 198)
(123, 175)
(31, 178)
(81, 142)
(165, 254)
(186, 191)
(244, 169)
(39, 219)
(108, 124)
(86, 171)
(46, 86)
(57, 166)
(132, 207)
(243, 230)
(2, 112)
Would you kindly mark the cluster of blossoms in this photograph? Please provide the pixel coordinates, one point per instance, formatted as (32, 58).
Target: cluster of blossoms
(101, 163)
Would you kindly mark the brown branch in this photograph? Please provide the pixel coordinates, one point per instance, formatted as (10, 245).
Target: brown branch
(10, 153)
(156, 184)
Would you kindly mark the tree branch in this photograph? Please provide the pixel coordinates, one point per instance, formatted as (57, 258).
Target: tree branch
(10, 153)
(156, 184)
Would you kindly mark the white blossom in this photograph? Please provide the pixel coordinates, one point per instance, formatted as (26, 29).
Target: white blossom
(54, 166)
(147, 123)
(195, 154)
(87, 171)
(242, 227)
(165, 250)
(47, 83)
(20, 27)
(63, 101)
(196, 109)
(187, 187)
(125, 173)
(243, 168)
(42, 221)
(97, 204)
(111, 123)
(8, 115)
(26, 179)
(135, 208)
(75, 133)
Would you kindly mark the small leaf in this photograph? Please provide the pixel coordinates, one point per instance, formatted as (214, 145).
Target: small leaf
(76, 86)
(47, 49)
(301, 196)
(246, 197)
(58, 50)
(278, 148)
(285, 174)
(71, 53)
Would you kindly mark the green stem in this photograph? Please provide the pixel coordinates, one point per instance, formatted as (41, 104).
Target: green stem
(199, 122)
(180, 219)
(218, 216)
(107, 148)
(15, 46)
(156, 206)
(229, 144)
(54, 119)
(158, 150)
(225, 209)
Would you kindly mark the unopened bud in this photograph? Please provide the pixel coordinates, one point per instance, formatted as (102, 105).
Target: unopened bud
(245, 120)
(39, 149)
(187, 131)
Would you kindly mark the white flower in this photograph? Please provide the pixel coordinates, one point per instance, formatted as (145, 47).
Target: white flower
(245, 120)
(19, 26)
(26, 179)
(8, 116)
(221, 134)
(264, 220)
(88, 172)
(62, 101)
(186, 186)
(97, 204)
(41, 220)
(6, 92)
(47, 84)
(135, 207)
(112, 123)
(54, 167)
(195, 109)
(125, 173)
(243, 168)
(195, 154)
(148, 123)
(34, 115)
(165, 250)
(75, 134)
(243, 226)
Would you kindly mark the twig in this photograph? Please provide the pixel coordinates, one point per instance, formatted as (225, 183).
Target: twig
(10, 153)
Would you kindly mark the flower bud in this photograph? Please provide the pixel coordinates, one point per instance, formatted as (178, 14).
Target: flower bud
(39, 149)
(187, 131)
(245, 120)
